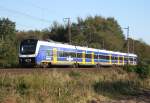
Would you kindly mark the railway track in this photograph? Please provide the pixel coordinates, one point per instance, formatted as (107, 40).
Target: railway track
(39, 70)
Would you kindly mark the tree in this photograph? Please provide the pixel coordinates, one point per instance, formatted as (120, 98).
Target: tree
(8, 43)
(99, 32)
(58, 33)
(7, 29)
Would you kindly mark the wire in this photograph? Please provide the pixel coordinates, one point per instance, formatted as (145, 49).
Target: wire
(37, 6)
(24, 14)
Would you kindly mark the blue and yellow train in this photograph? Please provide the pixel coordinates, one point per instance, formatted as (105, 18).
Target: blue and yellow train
(44, 53)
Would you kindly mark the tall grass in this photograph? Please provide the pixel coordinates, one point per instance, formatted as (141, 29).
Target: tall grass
(69, 87)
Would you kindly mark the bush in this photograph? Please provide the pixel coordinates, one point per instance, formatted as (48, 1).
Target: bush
(129, 68)
(117, 87)
(143, 71)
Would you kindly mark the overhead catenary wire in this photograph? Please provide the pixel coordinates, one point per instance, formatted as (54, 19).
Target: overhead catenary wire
(37, 6)
(24, 14)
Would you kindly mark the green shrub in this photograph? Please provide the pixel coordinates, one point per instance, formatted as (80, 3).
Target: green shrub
(117, 87)
(143, 71)
(129, 68)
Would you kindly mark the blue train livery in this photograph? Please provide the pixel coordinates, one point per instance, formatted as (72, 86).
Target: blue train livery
(43, 53)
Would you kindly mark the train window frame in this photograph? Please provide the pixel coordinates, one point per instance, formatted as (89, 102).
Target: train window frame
(88, 56)
(72, 54)
(96, 56)
(135, 59)
(49, 52)
(131, 59)
(26, 45)
(66, 54)
(121, 58)
(101, 56)
(105, 57)
(114, 58)
(79, 55)
(60, 53)
(126, 58)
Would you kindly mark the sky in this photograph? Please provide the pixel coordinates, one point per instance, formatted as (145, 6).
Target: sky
(40, 14)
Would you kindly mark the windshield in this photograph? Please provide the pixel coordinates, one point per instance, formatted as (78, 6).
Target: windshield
(28, 46)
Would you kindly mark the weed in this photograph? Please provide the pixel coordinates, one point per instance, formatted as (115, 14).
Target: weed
(69, 87)
(74, 74)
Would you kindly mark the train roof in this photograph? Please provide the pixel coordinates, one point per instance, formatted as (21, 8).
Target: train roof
(57, 44)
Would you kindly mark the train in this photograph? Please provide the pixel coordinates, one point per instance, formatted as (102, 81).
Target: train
(33, 52)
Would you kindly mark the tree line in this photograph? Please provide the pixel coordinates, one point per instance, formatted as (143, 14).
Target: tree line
(93, 31)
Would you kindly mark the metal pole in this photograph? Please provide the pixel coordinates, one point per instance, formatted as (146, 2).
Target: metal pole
(128, 48)
(128, 39)
(133, 45)
(69, 29)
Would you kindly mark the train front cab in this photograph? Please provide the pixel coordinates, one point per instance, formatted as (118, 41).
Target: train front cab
(27, 52)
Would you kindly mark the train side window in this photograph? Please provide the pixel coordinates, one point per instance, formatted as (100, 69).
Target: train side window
(126, 58)
(72, 54)
(60, 54)
(88, 56)
(135, 59)
(131, 59)
(95, 56)
(66, 54)
(107, 57)
(79, 55)
(104, 57)
(120, 58)
(101, 56)
(114, 58)
(49, 53)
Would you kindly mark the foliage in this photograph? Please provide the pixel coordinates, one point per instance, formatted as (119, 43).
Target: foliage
(74, 74)
(143, 71)
(103, 33)
(117, 88)
(69, 86)
(129, 68)
(93, 31)
(7, 29)
(58, 33)
(8, 43)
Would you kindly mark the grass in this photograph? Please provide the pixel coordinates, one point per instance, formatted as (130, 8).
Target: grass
(70, 87)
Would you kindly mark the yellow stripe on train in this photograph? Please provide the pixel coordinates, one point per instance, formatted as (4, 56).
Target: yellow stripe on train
(54, 55)
(92, 57)
(83, 57)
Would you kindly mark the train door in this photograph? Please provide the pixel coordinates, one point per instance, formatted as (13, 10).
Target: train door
(83, 57)
(54, 55)
(92, 58)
